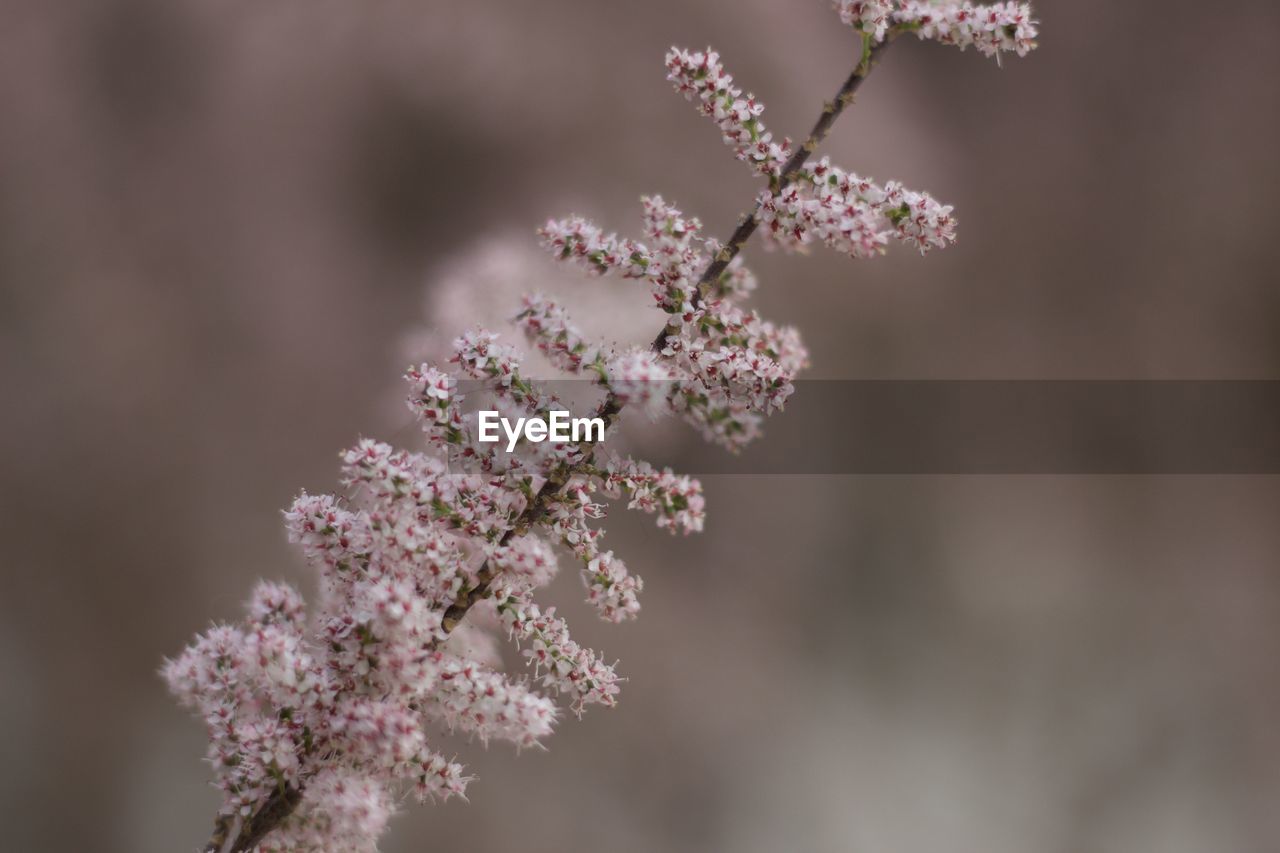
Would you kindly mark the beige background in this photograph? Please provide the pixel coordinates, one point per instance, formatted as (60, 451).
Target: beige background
(217, 221)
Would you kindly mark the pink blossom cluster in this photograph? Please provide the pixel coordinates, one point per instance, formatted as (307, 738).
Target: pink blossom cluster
(636, 376)
(700, 76)
(639, 379)
(339, 703)
(721, 367)
(320, 720)
(547, 326)
(611, 589)
(991, 29)
(574, 238)
(869, 17)
(675, 499)
(343, 810)
(562, 664)
(837, 208)
(282, 710)
(475, 698)
(853, 215)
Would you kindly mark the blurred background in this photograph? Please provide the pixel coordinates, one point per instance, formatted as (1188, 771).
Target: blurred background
(220, 221)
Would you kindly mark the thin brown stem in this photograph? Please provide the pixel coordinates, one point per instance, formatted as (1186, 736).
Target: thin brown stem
(283, 802)
(253, 829)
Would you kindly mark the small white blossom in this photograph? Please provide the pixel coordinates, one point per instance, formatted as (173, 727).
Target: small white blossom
(870, 17)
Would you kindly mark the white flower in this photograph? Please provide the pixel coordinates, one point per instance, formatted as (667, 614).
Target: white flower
(866, 16)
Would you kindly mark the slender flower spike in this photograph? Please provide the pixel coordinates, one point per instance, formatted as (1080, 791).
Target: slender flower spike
(991, 29)
(321, 719)
(562, 664)
(676, 500)
(575, 239)
(700, 76)
(490, 705)
(853, 215)
(546, 325)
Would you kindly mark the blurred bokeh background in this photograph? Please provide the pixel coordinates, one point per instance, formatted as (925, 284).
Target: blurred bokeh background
(219, 221)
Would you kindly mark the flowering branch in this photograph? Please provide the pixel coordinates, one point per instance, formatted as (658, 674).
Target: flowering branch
(748, 223)
(609, 410)
(314, 723)
(612, 406)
